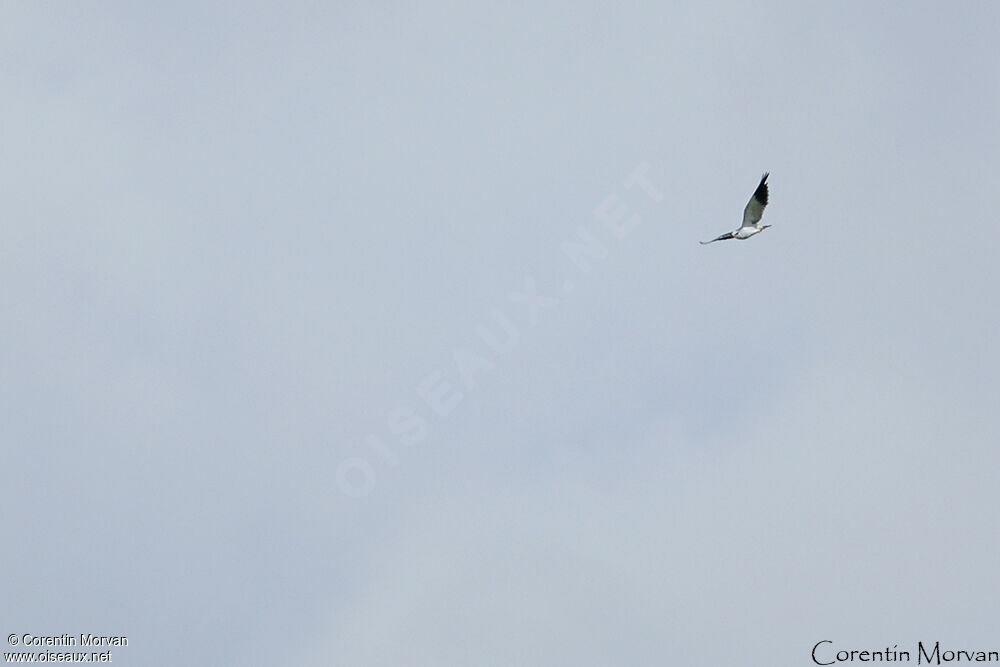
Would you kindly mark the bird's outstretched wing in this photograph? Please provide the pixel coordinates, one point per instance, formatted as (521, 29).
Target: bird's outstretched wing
(727, 235)
(755, 207)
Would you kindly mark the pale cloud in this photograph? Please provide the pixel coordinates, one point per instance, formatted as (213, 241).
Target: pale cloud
(243, 245)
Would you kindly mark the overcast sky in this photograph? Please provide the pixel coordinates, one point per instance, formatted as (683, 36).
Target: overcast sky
(365, 334)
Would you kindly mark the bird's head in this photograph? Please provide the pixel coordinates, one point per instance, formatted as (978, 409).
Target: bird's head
(763, 227)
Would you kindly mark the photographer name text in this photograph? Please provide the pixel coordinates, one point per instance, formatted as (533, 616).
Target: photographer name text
(825, 653)
(67, 639)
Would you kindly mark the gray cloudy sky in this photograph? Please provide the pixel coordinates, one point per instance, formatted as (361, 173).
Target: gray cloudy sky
(247, 249)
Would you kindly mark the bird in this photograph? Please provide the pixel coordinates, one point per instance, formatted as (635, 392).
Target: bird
(751, 215)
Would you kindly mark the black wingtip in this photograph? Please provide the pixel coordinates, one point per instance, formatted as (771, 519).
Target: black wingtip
(760, 194)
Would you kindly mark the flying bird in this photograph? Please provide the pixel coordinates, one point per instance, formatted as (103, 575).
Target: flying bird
(751, 215)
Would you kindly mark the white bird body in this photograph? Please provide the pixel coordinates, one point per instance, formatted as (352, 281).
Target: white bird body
(751, 215)
(746, 232)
